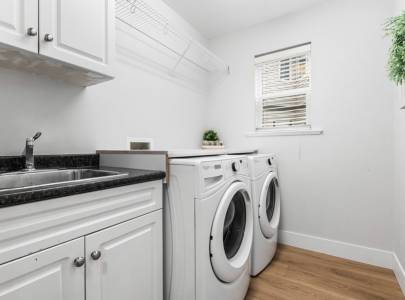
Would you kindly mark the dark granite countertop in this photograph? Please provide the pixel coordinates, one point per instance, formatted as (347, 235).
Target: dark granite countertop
(10, 164)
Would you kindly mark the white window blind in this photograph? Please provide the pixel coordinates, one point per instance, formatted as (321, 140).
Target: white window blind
(283, 88)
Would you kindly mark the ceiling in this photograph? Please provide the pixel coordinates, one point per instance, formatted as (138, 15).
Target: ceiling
(217, 17)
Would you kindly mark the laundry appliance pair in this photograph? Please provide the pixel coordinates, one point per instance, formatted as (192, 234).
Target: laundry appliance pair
(221, 220)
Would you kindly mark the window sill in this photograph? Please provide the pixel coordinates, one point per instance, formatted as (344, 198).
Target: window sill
(284, 132)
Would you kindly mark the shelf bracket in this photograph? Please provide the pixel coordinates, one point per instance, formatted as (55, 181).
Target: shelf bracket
(181, 58)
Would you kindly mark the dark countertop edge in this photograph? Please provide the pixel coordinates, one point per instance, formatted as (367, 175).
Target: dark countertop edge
(49, 155)
(156, 152)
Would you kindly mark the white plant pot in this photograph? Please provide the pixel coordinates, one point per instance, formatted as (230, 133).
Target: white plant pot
(402, 96)
(212, 145)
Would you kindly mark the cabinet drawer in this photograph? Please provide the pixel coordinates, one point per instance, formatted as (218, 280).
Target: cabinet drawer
(29, 228)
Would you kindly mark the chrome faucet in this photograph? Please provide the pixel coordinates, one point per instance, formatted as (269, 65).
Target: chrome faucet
(29, 152)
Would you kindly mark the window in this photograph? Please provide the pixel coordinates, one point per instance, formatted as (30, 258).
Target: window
(283, 88)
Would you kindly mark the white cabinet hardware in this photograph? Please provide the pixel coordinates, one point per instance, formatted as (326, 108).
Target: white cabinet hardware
(32, 31)
(79, 261)
(48, 37)
(95, 255)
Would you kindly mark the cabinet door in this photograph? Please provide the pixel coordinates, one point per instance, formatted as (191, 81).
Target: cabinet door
(16, 18)
(79, 32)
(130, 265)
(47, 275)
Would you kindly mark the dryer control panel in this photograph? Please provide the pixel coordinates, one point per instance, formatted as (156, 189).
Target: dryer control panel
(262, 164)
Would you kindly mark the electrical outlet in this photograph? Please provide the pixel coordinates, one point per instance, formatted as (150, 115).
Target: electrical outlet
(139, 143)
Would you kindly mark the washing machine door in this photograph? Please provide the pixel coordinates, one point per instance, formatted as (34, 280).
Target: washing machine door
(232, 233)
(269, 206)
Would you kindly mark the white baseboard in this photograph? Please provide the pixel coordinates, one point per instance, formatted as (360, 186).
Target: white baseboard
(399, 272)
(372, 256)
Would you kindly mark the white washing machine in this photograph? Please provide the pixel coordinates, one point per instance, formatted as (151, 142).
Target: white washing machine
(208, 229)
(266, 209)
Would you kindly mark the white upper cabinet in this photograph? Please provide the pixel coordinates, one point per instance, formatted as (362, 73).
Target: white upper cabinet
(19, 24)
(79, 32)
(47, 275)
(72, 40)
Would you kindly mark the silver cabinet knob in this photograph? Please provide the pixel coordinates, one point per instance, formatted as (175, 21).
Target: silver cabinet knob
(32, 31)
(48, 37)
(95, 255)
(79, 261)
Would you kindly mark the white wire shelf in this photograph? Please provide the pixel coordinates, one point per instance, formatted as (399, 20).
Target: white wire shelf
(138, 15)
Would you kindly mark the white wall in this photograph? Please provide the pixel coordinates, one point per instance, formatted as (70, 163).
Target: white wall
(337, 185)
(138, 103)
(399, 172)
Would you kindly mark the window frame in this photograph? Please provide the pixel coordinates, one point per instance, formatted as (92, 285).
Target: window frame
(281, 54)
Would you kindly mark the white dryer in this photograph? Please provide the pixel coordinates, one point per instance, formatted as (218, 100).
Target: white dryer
(209, 229)
(266, 209)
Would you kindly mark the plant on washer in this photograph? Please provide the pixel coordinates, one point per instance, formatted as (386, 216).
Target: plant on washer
(211, 139)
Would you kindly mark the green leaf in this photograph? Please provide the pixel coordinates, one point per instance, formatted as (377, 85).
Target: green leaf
(210, 135)
(395, 27)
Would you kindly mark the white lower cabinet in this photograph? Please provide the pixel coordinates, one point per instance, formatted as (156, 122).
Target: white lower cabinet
(46, 275)
(120, 262)
(125, 261)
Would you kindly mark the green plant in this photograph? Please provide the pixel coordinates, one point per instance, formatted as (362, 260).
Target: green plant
(396, 28)
(211, 135)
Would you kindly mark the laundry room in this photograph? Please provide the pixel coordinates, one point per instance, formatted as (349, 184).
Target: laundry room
(199, 150)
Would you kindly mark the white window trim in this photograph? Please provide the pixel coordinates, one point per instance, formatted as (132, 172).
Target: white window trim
(285, 132)
(301, 130)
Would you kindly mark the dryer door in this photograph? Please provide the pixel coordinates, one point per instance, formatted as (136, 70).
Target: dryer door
(232, 233)
(269, 206)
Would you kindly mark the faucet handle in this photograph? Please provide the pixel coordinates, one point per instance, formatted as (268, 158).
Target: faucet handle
(37, 135)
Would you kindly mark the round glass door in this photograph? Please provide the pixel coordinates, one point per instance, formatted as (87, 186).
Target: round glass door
(232, 233)
(269, 206)
(234, 225)
(271, 199)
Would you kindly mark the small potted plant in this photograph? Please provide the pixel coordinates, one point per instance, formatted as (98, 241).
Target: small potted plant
(211, 140)
(395, 27)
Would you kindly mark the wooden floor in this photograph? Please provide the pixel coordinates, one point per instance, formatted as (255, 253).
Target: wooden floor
(300, 275)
